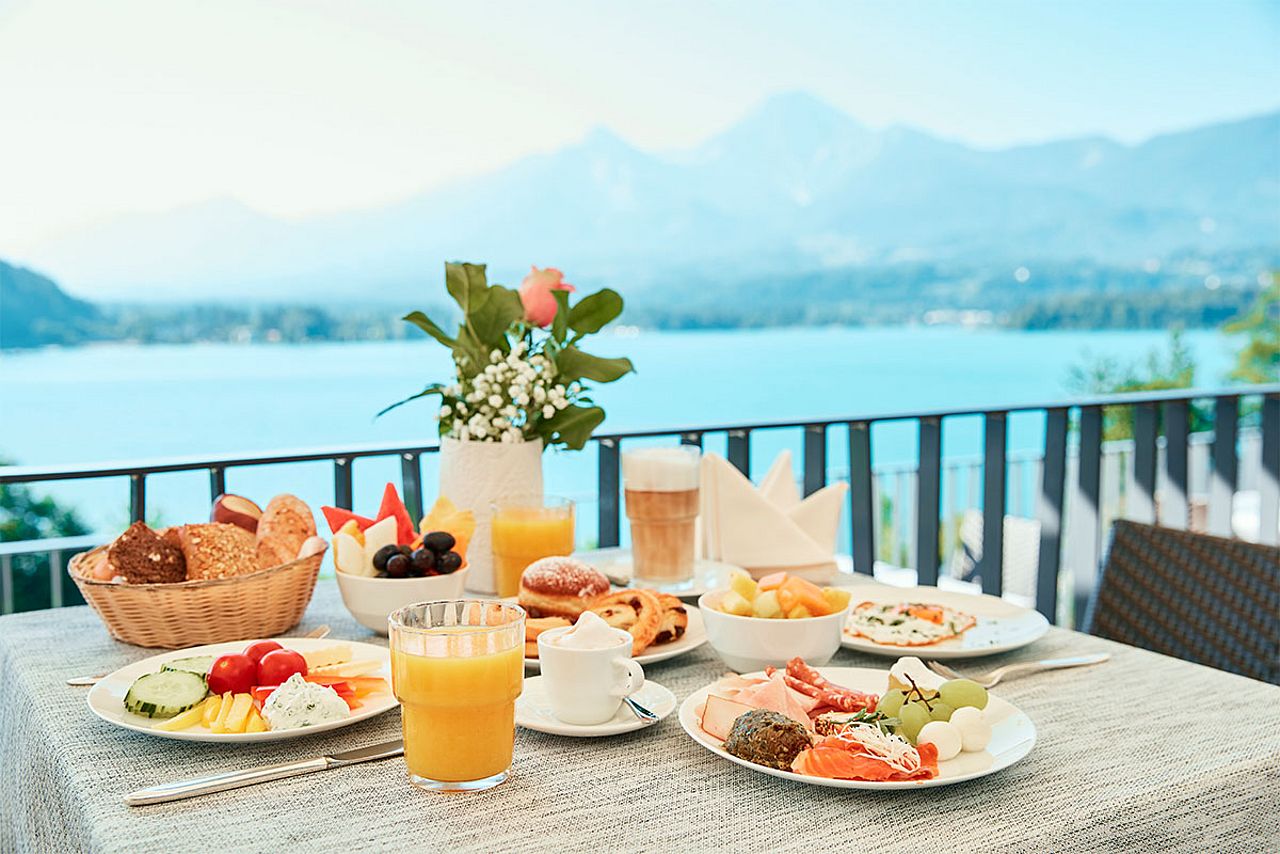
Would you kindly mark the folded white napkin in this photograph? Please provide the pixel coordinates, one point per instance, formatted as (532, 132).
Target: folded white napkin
(770, 527)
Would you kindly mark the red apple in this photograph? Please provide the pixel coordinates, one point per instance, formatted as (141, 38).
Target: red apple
(236, 510)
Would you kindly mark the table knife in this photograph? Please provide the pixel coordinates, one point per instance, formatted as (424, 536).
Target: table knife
(235, 779)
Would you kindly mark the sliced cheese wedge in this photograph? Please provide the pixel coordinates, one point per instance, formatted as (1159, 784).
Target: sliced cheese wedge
(351, 668)
(327, 656)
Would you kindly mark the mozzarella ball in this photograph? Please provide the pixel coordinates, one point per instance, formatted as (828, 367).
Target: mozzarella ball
(975, 732)
(943, 736)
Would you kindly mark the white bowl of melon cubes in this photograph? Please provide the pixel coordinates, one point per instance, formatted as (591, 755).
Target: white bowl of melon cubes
(757, 624)
(328, 685)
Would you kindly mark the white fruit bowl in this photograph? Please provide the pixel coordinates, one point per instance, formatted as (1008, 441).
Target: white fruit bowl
(748, 644)
(371, 600)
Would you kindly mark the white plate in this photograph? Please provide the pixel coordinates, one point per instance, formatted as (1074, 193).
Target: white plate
(1001, 627)
(106, 699)
(1012, 737)
(616, 565)
(533, 711)
(695, 635)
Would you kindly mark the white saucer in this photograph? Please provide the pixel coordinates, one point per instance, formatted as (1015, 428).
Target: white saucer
(616, 565)
(533, 711)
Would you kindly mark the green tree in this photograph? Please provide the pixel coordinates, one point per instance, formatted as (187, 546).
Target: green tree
(1259, 359)
(24, 516)
(1160, 370)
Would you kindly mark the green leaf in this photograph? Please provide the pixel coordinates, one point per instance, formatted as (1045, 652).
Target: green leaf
(467, 285)
(434, 388)
(560, 325)
(573, 364)
(594, 311)
(491, 320)
(429, 326)
(571, 426)
(474, 350)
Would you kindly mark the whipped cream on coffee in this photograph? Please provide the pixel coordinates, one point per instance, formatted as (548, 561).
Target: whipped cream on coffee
(590, 632)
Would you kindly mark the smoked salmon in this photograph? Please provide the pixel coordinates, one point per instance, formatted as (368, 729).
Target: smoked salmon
(840, 759)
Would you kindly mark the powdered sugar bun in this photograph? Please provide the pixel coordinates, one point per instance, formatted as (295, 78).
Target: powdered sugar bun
(560, 587)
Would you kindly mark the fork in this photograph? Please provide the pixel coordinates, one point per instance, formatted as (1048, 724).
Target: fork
(79, 681)
(990, 680)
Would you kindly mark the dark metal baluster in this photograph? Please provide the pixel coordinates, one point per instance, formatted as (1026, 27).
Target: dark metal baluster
(740, 450)
(928, 481)
(1049, 511)
(1222, 486)
(138, 497)
(993, 504)
(55, 578)
(217, 482)
(607, 490)
(1177, 496)
(6, 584)
(1142, 506)
(860, 509)
(342, 482)
(815, 458)
(411, 479)
(694, 439)
(1269, 477)
(1086, 519)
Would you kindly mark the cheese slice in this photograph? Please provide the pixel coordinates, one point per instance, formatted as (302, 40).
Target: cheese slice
(351, 668)
(327, 656)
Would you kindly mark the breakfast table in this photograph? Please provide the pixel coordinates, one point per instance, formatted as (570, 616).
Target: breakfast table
(1142, 753)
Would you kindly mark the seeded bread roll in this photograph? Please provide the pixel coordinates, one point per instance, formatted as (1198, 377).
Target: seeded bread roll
(144, 557)
(215, 550)
(285, 525)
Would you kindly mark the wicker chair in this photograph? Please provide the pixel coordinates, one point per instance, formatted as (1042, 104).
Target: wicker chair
(1199, 598)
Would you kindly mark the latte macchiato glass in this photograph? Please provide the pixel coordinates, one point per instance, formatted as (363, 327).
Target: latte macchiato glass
(661, 486)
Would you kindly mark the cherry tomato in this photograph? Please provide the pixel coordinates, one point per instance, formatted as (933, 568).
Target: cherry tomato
(234, 673)
(260, 648)
(279, 665)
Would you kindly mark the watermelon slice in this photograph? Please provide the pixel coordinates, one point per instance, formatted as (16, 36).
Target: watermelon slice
(392, 506)
(337, 517)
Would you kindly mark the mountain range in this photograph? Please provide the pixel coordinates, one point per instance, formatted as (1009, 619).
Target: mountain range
(795, 185)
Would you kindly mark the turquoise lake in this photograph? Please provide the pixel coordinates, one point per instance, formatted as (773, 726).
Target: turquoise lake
(119, 402)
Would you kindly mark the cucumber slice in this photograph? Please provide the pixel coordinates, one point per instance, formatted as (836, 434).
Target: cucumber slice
(197, 664)
(165, 694)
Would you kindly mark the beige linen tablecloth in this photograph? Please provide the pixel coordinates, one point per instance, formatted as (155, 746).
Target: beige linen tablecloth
(1144, 753)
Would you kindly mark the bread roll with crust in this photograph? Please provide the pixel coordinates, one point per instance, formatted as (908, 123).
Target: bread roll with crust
(215, 550)
(286, 523)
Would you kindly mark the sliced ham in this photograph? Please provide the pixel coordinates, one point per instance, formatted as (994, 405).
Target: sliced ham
(775, 696)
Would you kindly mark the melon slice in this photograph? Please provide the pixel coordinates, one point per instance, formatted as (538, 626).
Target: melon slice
(445, 516)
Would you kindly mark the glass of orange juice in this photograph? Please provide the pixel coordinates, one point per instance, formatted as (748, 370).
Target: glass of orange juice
(457, 668)
(524, 529)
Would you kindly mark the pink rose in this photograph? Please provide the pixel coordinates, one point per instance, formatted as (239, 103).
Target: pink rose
(535, 293)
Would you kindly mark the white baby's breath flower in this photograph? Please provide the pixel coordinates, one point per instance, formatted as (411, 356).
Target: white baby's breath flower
(561, 403)
(495, 401)
(539, 394)
(446, 410)
(548, 411)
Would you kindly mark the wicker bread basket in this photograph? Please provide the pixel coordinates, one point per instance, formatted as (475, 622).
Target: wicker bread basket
(189, 613)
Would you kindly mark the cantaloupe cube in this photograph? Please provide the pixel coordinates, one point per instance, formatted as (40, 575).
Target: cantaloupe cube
(797, 591)
(772, 581)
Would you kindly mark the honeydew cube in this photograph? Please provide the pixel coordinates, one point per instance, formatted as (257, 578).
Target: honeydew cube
(744, 585)
(733, 603)
(766, 605)
(799, 612)
(838, 599)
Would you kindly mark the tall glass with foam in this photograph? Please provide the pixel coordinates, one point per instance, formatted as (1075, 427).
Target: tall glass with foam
(661, 486)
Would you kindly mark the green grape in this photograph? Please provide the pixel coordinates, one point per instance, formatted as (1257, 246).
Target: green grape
(913, 716)
(940, 711)
(958, 693)
(890, 703)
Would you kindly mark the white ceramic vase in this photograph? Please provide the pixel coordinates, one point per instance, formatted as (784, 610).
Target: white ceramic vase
(475, 474)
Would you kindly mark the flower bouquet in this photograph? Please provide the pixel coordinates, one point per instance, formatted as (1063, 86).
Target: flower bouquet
(521, 383)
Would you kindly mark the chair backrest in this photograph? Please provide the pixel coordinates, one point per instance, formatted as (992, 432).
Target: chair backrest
(1205, 599)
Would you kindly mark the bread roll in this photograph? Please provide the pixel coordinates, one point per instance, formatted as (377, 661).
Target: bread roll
(285, 525)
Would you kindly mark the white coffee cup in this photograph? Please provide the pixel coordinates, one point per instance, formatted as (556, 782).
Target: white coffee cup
(586, 686)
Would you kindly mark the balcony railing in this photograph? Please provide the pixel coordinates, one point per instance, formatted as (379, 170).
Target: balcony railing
(1155, 471)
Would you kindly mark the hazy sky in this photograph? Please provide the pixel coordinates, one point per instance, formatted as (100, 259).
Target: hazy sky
(308, 106)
